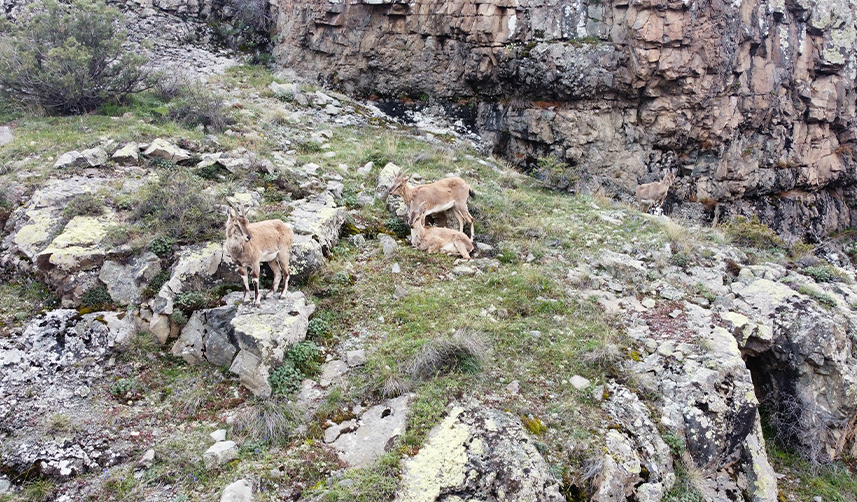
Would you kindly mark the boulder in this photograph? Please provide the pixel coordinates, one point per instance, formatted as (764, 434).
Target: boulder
(163, 149)
(126, 281)
(474, 452)
(385, 180)
(208, 337)
(264, 334)
(128, 155)
(197, 267)
(621, 266)
(70, 159)
(318, 216)
(95, 156)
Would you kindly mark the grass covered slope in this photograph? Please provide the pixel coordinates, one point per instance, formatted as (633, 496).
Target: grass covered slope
(508, 331)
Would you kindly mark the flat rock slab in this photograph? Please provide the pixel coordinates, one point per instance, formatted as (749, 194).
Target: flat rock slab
(219, 453)
(375, 428)
(318, 216)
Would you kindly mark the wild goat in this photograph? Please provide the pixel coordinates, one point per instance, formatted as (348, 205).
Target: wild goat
(249, 244)
(654, 194)
(437, 239)
(448, 193)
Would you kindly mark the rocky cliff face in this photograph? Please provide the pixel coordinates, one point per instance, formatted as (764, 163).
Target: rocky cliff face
(751, 102)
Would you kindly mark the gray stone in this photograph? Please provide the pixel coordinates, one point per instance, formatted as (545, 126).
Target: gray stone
(127, 155)
(331, 371)
(366, 169)
(95, 156)
(126, 282)
(355, 357)
(70, 159)
(239, 491)
(307, 256)
(252, 373)
(219, 453)
(621, 266)
(388, 245)
(218, 435)
(385, 180)
(6, 135)
(579, 382)
(147, 459)
(670, 293)
(400, 292)
(335, 188)
(163, 149)
(319, 217)
(395, 268)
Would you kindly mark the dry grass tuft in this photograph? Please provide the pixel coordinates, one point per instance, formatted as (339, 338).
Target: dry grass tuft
(465, 351)
(394, 386)
(271, 421)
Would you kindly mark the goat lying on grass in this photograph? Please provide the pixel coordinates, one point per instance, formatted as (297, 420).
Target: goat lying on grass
(448, 193)
(249, 244)
(437, 239)
(654, 194)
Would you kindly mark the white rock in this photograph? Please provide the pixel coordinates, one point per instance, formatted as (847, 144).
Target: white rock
(219, 453)
(579, 382)
(355, 357)
(239, 491)
(218, 435)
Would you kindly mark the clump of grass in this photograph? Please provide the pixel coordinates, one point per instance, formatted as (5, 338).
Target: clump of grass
(59, 422)
(179, 207)
(84, 205)
(825, 300)
(464, 352)
(750, 232)
(822, 273)
(198, 106)
(394, 386)
(270, 421)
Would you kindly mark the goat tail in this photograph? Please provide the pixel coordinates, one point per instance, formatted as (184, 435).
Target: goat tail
(472, 193)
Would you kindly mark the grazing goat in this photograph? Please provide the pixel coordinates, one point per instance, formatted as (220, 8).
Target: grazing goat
(448, 193)
(654, 194)
(437, 239)
(249, 244)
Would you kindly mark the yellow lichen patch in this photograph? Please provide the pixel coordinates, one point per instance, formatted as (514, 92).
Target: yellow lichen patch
(81, 231)
(441, 462)
(35, 234)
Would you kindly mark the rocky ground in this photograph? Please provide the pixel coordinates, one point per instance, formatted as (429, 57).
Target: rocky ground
(590, 352)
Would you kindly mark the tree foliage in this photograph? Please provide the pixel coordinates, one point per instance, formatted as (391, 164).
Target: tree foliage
(68, 58)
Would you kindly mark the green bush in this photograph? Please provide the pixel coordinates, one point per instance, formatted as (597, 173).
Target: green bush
(822, 273)
(556, 174)
(177, 206)
(201, 107)
(68, 58)
(97, 298)
(189, 301)
(162, 246)
(84, 205)
(752, 233)
(301, 361)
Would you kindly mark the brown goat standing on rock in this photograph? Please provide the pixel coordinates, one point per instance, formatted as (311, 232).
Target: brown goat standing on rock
(448, 193)
(654, 194)
(249, 244)
(437, 239)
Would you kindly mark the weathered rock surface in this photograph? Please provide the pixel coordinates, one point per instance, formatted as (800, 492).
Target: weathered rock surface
(56, 361)
(473, 453)
(126, 281)
(239, 491)
(316, 222)
(752, 103)
(362, 441)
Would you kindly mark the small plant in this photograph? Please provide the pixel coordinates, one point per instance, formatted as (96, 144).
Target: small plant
(301, 361)
(68, 58)
(59, 422)
(680, 259)
(155, 284)
(178, 317)
(822, 273)
(318, 328)
(825, 300)
(188, 301)
(162, 246)
(198, 106)
(124, 388)
(179, 207)
(534, 425)
(398, 227)
(159, 163)
(750, 232)
(97, 298)
(556, 174)
(84, 205)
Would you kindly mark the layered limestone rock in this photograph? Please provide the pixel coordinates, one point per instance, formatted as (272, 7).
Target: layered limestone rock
(751, 102)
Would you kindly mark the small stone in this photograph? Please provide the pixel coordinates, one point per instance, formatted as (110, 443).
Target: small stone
(329, 155)
(275, 473)
(649, 303)
(651, 346)
(396, 268)
(148, 458)
(355, 357)
(675, 313)
(513, 387)
(358, 240)
(579, 382)
(388, 245)
(332, 371)
(218, 435)
(400, 292)
(95, 156)
(666, 349)
(70, 159)
(346, 483)
(484, 248)
(82, 391)
(128, 154)
(463, 270)
(535, 333)
(366, 169)
(239, 491)
(5, 485)
(219, 453)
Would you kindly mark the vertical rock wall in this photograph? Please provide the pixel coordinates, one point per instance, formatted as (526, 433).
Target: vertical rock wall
(751, 101)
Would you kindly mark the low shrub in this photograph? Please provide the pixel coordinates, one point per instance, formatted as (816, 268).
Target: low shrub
(97, 298)
(84, 205)
(68, 58)
(398, 227)
(301, 361)
(179, 207)
(822, 273)
(162, 246)
(200, 107)
(268, 421)
(556, 174)
(750, 232)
